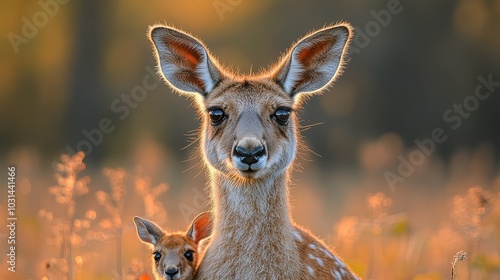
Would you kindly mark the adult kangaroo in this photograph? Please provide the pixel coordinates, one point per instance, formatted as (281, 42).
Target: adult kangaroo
(248, 139)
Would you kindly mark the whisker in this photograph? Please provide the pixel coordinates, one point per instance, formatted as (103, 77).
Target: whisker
(192, 137)
(307, 127)
(311, 151)
(192, 167)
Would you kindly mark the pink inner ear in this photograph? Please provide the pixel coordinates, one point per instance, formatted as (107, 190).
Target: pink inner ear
(189, 59)
(201, 228)
(308, 55)
(187, 54)
(190, 77)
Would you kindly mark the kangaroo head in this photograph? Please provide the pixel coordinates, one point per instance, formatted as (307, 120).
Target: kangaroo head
(249, 127)
(175, 255)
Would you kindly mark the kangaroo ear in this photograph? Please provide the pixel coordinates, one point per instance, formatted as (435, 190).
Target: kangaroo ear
(201, 227)
(148, 231)
(184, 61)
(313, 62)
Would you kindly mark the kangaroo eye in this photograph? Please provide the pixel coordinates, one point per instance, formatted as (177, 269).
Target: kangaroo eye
(156, 256)
(282, 115)
(189, 255)
(216, 116)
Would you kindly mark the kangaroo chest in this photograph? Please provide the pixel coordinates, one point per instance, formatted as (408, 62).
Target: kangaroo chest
(251, 255)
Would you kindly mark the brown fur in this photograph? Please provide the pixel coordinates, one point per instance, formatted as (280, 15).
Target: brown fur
(249, 153)
(173, 247)
(176, 244)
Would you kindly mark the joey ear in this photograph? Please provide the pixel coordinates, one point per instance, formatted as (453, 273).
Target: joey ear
(201, 227)
(148, 231)
(314, 61)
(184, 61)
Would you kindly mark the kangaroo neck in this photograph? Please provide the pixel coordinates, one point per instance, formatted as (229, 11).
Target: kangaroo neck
(250, 203)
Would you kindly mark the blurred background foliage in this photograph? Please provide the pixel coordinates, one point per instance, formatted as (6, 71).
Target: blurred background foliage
(401, 78)
(427, 58)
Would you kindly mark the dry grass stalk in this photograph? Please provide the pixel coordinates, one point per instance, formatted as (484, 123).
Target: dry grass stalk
(69, 186)
(113, 204)
(459, 256)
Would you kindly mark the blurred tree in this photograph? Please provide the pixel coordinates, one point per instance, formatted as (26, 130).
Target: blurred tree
(88, 96)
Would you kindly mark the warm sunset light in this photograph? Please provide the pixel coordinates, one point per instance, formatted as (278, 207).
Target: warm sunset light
(366, 146)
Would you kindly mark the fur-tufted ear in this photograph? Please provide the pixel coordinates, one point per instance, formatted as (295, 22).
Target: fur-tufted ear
(201, 227)
(184, 61)
(314, 61)
(148, 231)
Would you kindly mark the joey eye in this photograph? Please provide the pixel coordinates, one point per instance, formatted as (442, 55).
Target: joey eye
(189, 255)
(216, 116)
(282, 115)
(156, 256)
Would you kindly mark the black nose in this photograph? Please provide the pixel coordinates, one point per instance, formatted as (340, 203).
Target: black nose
(249, 156)
(171, 271)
